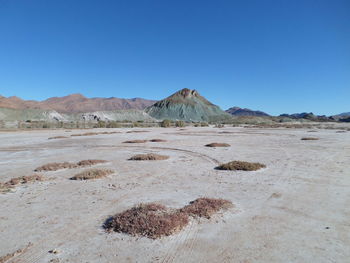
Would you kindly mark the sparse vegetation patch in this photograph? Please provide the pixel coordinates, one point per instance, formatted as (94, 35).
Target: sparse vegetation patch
(148, 157)
(92, 174)
(136, 141)
(217, 144)
(206, 207)
(58, 137)
(7, 186)
(90, 162)
(157, 140)
(56, 166)
(309, 139)
(150, 220)
(241, 165)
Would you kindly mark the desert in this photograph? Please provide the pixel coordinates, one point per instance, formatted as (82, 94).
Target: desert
(293, 210)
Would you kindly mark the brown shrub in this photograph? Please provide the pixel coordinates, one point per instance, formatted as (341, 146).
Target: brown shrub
(92, 174)
(85, 134)
(148, 157)
(309, 139)
(56, 166)
(136, 131)
(217, 144)
(312, 131)
(157, 140)
(240, 165)
(206, 207)
(90, 162)
(58, 137)
(136, 141)
(150, 220)
(7, 186)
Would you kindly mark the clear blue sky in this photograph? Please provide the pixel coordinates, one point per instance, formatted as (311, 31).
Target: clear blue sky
(280, 56)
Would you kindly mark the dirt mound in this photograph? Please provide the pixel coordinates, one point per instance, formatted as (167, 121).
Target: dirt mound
(90, 162)
(56, 166)
(7, 186)
(136, 141)
(206, 207)
(148, 157)
(240, 165)
(309, 139)
(217, 144)
(92, 174)
(150, 220)
(157, 140)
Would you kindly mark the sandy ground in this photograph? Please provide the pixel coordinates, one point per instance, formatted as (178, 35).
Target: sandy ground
(295, 210)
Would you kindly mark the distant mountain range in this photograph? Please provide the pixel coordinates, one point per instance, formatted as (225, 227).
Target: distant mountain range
(76, 103)
(185, 104)
(237, 111)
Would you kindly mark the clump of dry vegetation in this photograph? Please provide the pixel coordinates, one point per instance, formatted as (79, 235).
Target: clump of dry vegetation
(9, 256)
(340, 131)
(157, 140)
(150, 220)
(92, 174)
(154, 220)
(309, 139)
(217, 144)
(67, 165)
(140, 131)
(58, 137)
(92, 133)
(7, 186)
(206, 207)
(241, 165)
(148, 157)
(136, 141)
(90, 162)
(55, 166)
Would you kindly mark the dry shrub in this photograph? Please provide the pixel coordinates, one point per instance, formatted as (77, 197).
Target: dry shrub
(206, 207)
(312, 131)
(56, 166)
(85, 134)
(309, 139)
(92, 174)
(340, 131)
(150, 220)
(136, 131)
(148, 157)
(108, 132)
(157, 140)
(90, 162)
(58, 137)
(7, 186)
(217, 144)
(240, 165)
(9, 256)
(136, 141)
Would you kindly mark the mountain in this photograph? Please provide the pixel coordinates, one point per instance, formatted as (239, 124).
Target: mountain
(187, 105)
(308, 116)
(76, 103)
(237, 111)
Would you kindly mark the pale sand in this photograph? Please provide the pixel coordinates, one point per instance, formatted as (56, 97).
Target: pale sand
(295, 210)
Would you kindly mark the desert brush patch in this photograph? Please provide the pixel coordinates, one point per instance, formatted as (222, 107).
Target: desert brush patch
(12, 183)
(241, 165)
(148, 157)
(217, 144)
(92, 174)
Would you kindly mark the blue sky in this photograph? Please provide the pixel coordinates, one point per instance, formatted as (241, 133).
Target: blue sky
(278, 56)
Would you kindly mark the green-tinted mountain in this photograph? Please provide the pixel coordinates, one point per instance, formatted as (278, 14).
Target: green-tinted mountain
(187, 105)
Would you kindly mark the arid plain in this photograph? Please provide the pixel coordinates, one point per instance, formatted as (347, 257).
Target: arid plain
(294, 210)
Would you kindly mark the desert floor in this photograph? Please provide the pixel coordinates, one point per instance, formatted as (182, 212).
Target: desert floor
(295, 210)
